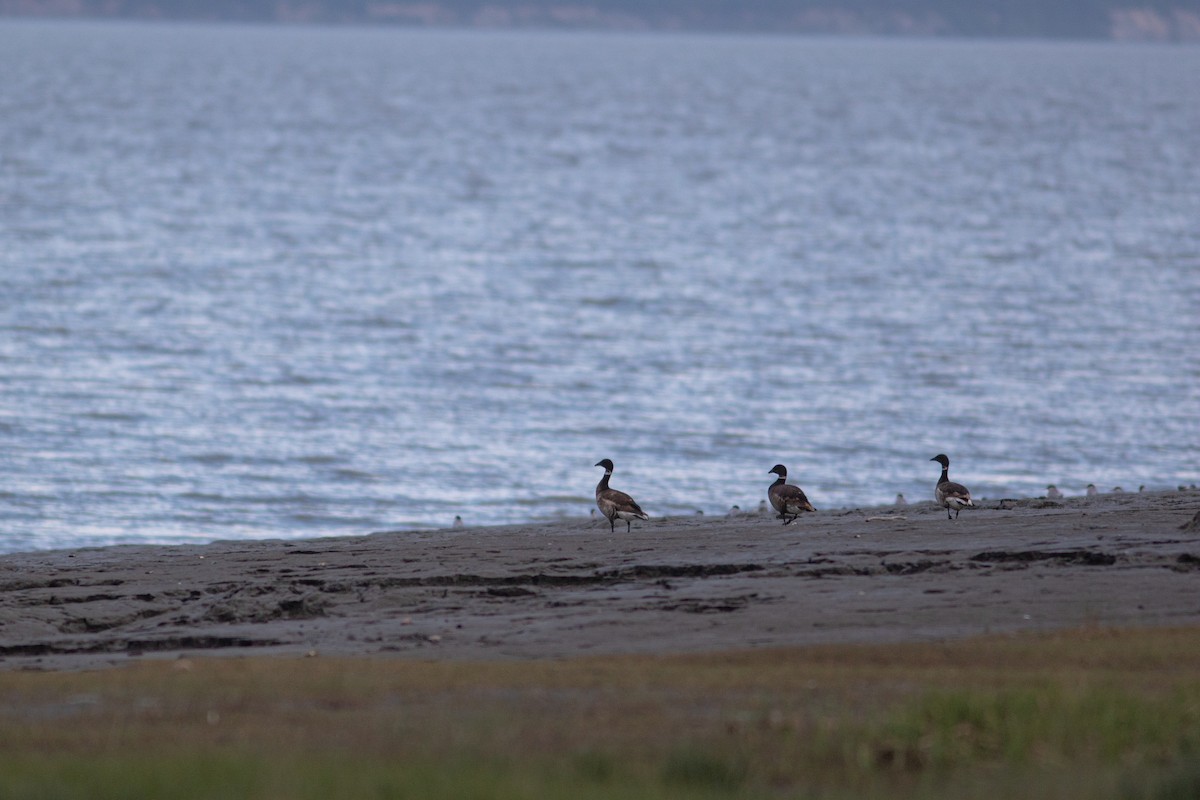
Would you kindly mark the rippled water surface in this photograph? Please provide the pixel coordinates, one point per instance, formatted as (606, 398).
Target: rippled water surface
(282, 282)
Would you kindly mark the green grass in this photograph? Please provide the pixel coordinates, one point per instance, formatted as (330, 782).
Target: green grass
(1091, 714)
(1104, 723)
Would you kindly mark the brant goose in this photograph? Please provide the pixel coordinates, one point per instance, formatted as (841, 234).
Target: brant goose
(785, 498)
(615, 505)
(948, 493)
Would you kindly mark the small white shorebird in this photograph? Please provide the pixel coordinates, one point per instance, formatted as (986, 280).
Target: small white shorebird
(1052, 492)
(613, 504)
(1091, 490)
(786, 498)
(900, 501)
(947, 493)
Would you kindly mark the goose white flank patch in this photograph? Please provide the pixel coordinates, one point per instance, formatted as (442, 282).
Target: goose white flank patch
(615, 505)
(948, 494)
(785, 498)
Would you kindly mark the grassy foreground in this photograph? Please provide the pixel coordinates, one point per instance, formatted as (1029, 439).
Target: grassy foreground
(1086, 714)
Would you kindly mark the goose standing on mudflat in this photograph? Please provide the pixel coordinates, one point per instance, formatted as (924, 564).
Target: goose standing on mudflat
(786, 498)
(615, 505)
(948, 493)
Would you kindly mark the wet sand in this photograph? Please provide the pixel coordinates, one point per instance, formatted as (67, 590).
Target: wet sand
(572, 588)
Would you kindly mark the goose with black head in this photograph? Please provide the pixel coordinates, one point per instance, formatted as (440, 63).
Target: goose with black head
(948, 494)
(614, 504)
(787, 499)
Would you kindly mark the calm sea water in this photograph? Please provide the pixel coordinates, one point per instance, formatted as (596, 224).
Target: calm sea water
(285, 282)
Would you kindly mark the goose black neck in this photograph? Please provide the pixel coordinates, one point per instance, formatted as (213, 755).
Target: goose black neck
(603, 484)
(945, 476)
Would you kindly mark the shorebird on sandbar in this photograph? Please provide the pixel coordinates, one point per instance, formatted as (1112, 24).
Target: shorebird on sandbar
(947, 493)
(786, 498)
(613, 504)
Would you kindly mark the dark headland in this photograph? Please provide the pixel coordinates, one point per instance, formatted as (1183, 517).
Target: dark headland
(1123, 20)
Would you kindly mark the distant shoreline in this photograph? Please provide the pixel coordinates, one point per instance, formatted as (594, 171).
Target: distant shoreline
(1099, 22)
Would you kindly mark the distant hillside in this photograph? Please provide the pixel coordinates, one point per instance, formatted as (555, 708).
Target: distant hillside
(1149, 20)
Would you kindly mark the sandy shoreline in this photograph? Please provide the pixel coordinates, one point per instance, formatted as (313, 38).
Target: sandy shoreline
(572, 588)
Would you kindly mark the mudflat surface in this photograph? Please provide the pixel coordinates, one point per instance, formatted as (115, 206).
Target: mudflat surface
(573, 588)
